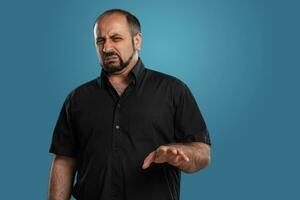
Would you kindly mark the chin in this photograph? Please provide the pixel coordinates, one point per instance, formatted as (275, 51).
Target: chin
(112, 64)
(113, 69)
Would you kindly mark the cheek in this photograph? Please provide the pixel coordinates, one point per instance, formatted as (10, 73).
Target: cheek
(126, 50)
(99, 52)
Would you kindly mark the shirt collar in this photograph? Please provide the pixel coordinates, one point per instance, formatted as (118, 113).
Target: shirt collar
(136, 72)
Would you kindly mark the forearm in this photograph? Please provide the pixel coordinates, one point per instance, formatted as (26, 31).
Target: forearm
(198, 154)
(61, 178)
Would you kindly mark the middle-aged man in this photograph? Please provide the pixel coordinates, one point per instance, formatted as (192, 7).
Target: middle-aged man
(129, 132)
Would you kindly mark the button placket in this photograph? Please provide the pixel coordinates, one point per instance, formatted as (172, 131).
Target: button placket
(117, 116)
(116, 126)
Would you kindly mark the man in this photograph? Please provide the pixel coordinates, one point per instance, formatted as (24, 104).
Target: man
(130, 132)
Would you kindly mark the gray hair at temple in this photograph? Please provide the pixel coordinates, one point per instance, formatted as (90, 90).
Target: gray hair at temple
(133, 22)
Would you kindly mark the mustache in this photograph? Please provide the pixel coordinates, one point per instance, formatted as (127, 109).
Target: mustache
(111, 53)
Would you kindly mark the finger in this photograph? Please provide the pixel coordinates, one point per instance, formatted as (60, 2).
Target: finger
(179, 161)
(172, 151)
(148, 160)
(162, 150)
(180, 152)
(161, 155)
(175, 160)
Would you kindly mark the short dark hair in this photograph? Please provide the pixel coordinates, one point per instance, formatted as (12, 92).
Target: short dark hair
(133, 22)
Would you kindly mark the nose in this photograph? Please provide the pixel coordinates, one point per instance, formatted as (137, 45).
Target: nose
(107, 47)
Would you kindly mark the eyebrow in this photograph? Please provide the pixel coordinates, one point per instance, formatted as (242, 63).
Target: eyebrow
(113, 35)
(116, 34)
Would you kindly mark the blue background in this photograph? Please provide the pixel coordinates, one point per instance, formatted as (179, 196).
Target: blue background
(239, 58)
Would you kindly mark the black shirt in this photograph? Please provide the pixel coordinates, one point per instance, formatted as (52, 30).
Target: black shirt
(111, 136)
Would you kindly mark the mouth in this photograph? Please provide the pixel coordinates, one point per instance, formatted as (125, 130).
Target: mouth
(110, 58)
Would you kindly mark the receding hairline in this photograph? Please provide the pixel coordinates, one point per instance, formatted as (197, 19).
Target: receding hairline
(108, 15)
(132, 20)
(97, 22)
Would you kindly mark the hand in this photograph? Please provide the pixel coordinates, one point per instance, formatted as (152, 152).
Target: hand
(170, 154)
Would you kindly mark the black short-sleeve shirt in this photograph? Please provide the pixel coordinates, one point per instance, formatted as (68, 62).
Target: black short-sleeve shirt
(110, 136)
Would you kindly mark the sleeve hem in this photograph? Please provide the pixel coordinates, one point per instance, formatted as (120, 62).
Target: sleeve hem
(202, 136)
(63, 152)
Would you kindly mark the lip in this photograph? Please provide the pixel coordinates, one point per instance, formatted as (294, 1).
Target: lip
(110, 57)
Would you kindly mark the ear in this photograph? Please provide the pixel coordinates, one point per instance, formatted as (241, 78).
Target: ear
(138, 41)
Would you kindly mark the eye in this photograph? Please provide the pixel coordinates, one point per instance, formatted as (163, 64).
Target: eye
(116, 39)
(100, 41)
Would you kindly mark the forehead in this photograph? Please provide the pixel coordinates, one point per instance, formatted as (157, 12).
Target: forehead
(111, 24)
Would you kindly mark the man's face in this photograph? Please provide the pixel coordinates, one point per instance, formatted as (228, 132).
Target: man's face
(114, 43)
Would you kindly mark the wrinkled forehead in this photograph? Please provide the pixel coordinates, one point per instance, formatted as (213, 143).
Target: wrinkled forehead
(111, 24)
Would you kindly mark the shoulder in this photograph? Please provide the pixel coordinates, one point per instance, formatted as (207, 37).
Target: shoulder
(167, 78)
(82, 90)
(161, 76)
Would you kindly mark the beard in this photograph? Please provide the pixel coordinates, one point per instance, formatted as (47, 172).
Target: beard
(116, 63)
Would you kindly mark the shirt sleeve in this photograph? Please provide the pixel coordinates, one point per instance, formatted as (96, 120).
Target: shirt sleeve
(64, 138)
(189, 123)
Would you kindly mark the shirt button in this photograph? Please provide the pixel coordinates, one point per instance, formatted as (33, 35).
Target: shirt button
(117, 126)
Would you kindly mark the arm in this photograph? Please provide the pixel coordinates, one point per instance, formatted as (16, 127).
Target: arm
(188, 157)
(61, 178)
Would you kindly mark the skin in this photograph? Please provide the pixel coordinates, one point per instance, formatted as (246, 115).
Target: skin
(188, 157)
(115, 37)
(61, 178)
(112, 35)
